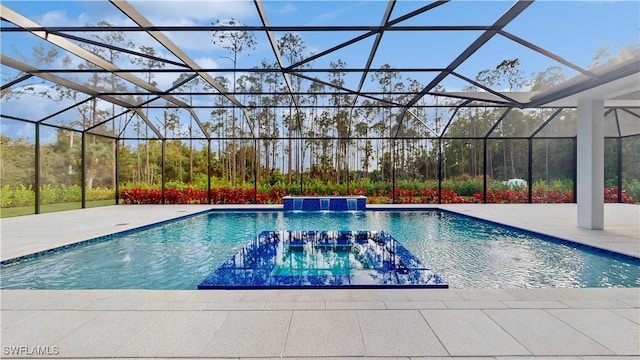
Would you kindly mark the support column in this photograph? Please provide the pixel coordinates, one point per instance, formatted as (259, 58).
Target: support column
(36, 180)
(590, 164)
(83, 170)
(117, 174)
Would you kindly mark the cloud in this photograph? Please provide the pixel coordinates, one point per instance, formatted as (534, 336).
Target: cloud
(52, 18)
(287, 8)
(207, 63)
(33, 107)
(58, 17)
(175, 12)
(17, 130)
(192, 40)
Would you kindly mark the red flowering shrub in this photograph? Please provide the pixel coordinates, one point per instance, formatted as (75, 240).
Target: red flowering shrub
(611, 196)
(398, 196)
(141, 196)
(546, 196)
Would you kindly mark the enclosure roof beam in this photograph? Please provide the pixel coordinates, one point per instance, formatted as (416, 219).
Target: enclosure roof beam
(66, 109)
(15, 81)
(10, 117)
(545, 123)
(123, 50)
(610, 78)
(161, 38)
(113, 117)
(546, 53)
(200, 125)
(330, 106)
(503, 21)
(84, 54)
(371, 32)
(479, 85)
(7, 61)
(423, 123)
(631, 113)
(283, 28)
(341, 88)
(374, 48)
(498, 122)
(276, 50)
(376, 42)
(136, 17)
(455, 112)
(10, 62)
(144, 117)
(148, 101)
(240, 70)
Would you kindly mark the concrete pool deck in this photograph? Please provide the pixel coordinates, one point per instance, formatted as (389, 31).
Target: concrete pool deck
(408, 323)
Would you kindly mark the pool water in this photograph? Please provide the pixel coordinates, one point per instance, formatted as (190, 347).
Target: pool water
(465, 252)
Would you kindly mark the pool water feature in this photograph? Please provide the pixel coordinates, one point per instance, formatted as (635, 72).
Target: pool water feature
(324, 203)
(318, 259)
(352, 204)
(465, 252)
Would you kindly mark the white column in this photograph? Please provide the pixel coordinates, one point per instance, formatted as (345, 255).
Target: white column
(590, 167)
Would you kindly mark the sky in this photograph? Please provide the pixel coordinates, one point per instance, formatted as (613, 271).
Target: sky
(574, 30)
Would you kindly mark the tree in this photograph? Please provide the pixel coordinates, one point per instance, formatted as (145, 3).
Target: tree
(292, 47)
(235, 42)
(508, 74)
(385, 79)
(340, 118)
(546, 79)
(112, 83)
(148, 63)
(190, 87)
(17, 161)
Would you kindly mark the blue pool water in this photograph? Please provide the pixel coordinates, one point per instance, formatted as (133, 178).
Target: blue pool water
(466, 253)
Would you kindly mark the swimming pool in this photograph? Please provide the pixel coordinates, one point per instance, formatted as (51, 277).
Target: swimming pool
(466, 253)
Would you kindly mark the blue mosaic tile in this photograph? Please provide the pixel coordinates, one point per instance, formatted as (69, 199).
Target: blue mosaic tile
(324, 203)
(303, 259)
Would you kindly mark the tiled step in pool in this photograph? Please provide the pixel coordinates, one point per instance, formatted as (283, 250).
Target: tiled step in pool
(322, 259)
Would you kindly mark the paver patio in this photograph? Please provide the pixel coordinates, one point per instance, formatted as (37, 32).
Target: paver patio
(591, 323)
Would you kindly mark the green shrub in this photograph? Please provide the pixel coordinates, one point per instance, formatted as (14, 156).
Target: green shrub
(467, 187)
(632, 187)
(100, 193)
(18, 196)
(54, 194)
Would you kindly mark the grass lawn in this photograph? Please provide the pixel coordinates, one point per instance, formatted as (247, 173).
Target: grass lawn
(28, 210)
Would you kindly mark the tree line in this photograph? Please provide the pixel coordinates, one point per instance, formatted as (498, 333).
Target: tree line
(280, 140)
